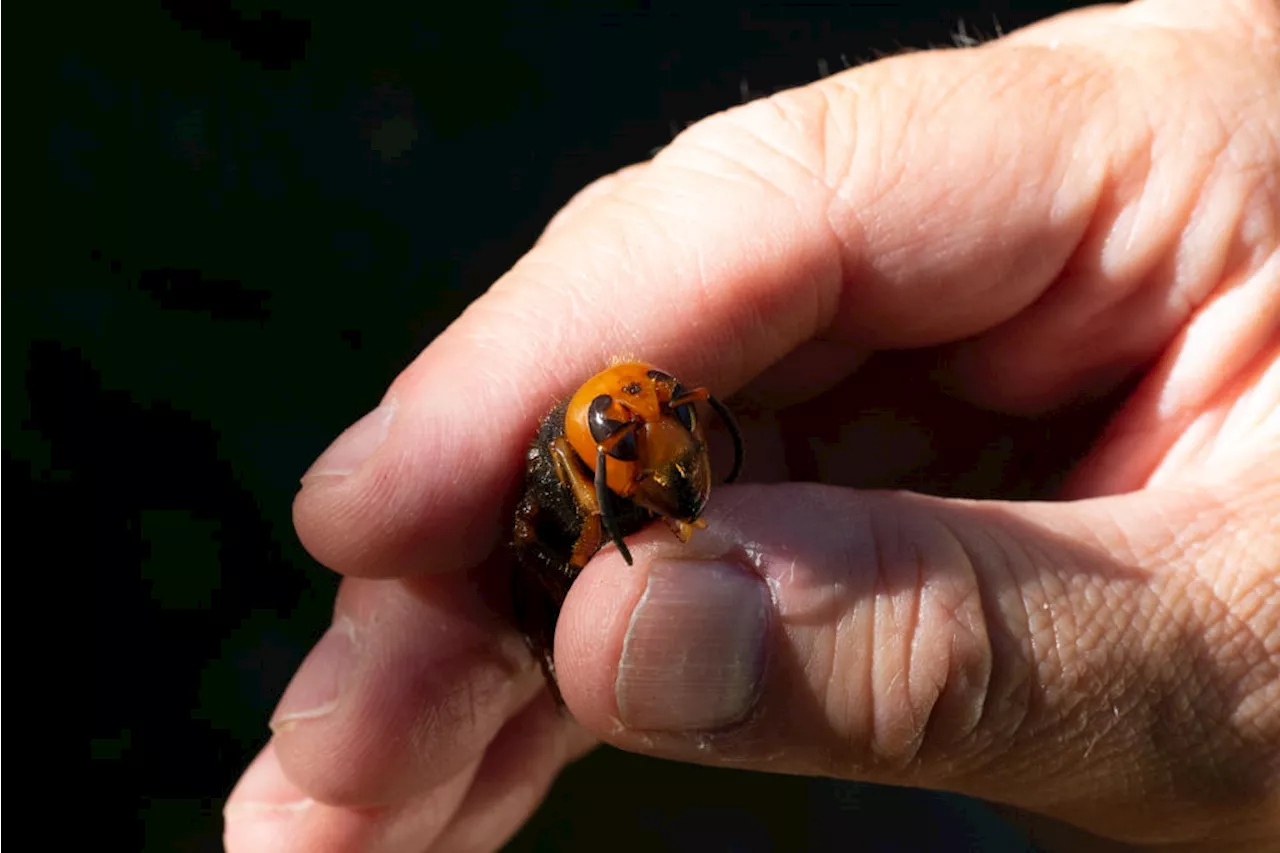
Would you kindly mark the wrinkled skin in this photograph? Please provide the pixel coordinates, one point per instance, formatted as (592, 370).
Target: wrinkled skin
(1085, 208)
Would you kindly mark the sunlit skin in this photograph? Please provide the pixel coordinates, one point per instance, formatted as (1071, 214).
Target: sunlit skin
(916, 273)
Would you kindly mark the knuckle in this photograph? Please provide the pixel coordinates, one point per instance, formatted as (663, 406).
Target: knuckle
(930, 669)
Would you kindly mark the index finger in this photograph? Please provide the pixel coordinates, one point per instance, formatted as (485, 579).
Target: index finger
(915, 201)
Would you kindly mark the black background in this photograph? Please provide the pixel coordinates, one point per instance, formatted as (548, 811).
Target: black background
(249, 219)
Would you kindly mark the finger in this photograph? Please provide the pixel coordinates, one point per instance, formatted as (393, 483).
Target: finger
(1213, 398)
(1189, 207)
(1112, 663)
(408, 687)
(517, 771)
(267, 813)
(475, 810)
(864, 208)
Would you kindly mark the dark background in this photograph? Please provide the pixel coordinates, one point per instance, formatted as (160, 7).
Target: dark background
(248, 220)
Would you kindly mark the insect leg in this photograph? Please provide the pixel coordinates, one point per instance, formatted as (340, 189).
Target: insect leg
(584, 495)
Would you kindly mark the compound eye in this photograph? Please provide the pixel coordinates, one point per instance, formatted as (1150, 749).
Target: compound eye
(604, 431)
(683, 412)
(626, 449)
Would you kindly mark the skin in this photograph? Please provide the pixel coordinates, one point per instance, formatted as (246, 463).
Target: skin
(1084, 210)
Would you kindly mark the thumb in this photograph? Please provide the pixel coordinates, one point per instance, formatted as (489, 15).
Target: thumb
(1105, 662)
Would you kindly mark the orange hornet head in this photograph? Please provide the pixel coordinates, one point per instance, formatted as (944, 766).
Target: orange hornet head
(637, 427)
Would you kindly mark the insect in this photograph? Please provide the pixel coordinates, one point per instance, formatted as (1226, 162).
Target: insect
(626, 449)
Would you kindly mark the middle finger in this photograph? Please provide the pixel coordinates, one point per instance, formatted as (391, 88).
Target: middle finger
(409, 686)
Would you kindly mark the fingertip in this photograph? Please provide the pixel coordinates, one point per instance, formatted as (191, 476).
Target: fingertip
(379, 530)
(264, 809)
(674, 644)
(264, 783)
(590, 637)
(267, 813)
(428, 664)
(423, 497)
(356, 444)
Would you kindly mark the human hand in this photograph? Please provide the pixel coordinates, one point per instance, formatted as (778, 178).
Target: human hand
(983, 236)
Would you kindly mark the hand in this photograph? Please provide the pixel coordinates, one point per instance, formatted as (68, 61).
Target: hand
(954, 241)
